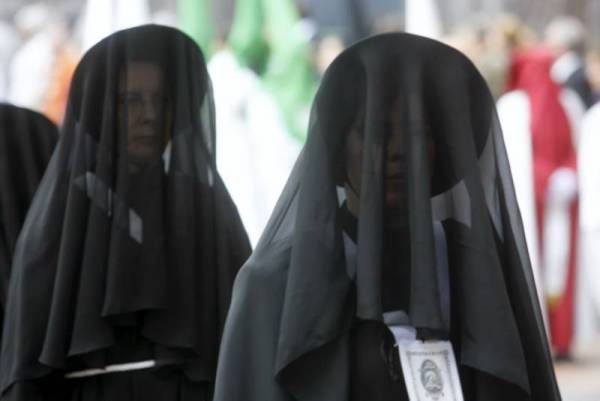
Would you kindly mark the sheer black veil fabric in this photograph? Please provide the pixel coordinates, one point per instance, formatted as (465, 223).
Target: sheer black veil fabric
(132, 233)
(288, 334)
(27, 139)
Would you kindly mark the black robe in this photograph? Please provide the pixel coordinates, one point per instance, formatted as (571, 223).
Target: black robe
(304, 322)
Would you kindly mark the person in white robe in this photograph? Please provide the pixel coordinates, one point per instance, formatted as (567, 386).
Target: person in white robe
(9, 42)
(255, 154)
(514, 114)
(588, 299)
(100, 18)
(31, 66)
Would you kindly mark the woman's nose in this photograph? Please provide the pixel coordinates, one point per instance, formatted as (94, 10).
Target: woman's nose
(395, 145)
(149, 109)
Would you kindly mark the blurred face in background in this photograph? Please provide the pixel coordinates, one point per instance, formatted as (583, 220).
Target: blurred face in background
(327, 50)
(592, 68)
(143, 112)
(563, 34)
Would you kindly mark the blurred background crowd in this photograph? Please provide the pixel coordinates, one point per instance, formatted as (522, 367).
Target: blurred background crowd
(541, 59)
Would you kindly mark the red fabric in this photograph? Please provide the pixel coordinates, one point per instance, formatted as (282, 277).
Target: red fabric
(553, 148)
(550, 128)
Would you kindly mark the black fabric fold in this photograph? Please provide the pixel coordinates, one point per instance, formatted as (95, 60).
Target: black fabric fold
(27, 139)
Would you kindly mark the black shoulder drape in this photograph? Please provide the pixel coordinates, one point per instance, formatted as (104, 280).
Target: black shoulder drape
(27, 139)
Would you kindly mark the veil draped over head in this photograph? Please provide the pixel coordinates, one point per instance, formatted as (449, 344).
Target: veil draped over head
(296, 298)
(132, 231)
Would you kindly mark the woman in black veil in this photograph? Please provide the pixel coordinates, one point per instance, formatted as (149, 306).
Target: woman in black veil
(27, 139)
(398, 222)
(122, 275)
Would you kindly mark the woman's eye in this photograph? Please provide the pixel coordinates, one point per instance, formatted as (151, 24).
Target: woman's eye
(130, 99)
(360, 127)
(134, 100)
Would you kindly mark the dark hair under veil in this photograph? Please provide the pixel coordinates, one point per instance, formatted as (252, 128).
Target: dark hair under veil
(296, 301)
(115, 248)
(27, 139)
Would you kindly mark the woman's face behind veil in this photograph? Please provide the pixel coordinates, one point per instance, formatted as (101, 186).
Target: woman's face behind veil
(395, 170)
(143, 113)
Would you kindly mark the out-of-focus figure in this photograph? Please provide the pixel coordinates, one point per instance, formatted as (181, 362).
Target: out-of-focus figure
(423, 18)
(41, 70)
(327, 48)
(535, 115)
(504, 36)
(66, 57)
(254, 151)
(100, 18)
(486, 49)
(197, 19)
(261, 73)
(490, 44)
(588, 299)
(31, 66)
(592, 69)
(565, 36)
(270, 37)
(9, 42)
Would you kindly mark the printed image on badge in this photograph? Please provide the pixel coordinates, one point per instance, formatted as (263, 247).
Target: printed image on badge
(430, 371)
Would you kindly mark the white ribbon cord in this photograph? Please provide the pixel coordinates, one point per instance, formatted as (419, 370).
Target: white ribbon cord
(121, 367)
